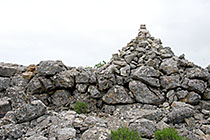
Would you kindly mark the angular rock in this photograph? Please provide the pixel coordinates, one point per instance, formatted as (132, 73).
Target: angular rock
(49, 68)
(108, 109)
(145, 71)
(129, 58)
(5, 106)
(82, 87)
(198, 86)
(125, 71)
(65, 133)
(197, 73)
(170, 82)
(166, 52)
(63, 79)
(206, 94)
(205, 105)
(4, 83)
(82, 77)
(105, 80)
(169, 66)
(94, 92)
(181, 94)
(117, 95)
(60, 98)
(96, 133)
(7, 70)
(47, 84)
(30, 111)
(171, 96)
(148, 75)
(19, 81)
(144, 127)
(34, 86)
(179, 113)
(193, 98)
(142, 93)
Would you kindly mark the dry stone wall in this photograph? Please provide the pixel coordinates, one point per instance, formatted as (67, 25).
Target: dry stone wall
(144, 86)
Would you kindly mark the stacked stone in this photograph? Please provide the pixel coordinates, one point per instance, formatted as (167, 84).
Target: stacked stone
(144, 87)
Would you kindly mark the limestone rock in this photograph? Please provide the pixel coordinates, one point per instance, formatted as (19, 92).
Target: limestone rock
(169, 66)
(197, 73)
(206, 94)
(63, 79)
(180, 112)
(8, 70)
(60, 97)
(96, 133)
(170, 82)
(197, 86)
(142, 93)
(30, 111)
(94, 92)
(5, 106)
(105, 80)
(49, 68)
(117, 95)
(144, 127)
(4, 83)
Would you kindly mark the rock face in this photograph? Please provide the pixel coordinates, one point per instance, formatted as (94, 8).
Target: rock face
(144, 87)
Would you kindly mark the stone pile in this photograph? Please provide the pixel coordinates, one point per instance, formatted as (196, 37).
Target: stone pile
(144, 87)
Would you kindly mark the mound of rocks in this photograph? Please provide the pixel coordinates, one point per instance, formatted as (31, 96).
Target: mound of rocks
(144, 87)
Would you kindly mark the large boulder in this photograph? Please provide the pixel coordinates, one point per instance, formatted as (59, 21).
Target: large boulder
(30, 111)
(143, 94)
(169, 66)
(117, 95)
(49, 68)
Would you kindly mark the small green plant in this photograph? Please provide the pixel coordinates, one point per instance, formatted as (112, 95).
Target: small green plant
(81, 107)
(168, 134)
(100, 64)
(124, 133)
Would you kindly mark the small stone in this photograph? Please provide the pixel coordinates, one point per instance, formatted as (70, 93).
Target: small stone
(125, 71)
(82, 87)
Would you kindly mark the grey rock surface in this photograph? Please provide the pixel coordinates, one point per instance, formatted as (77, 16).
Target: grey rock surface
(116, 95)
(30, 111)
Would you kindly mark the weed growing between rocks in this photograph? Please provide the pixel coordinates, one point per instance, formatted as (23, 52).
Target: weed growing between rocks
(101, 64)
(81, 107)
(168, 134)
(124, 133)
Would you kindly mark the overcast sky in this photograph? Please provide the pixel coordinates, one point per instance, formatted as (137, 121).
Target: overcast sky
(85, 32)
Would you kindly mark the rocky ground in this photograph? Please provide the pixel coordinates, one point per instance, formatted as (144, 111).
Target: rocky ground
(144, 87)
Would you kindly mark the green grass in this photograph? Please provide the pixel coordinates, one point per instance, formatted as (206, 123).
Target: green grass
(124, 133)
(100, 64)
(168, 134)
(81, 107)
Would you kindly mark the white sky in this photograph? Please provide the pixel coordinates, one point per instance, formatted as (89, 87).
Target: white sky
(85, 32)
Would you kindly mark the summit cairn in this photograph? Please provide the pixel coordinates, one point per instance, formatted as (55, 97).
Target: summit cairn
(144, 86)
